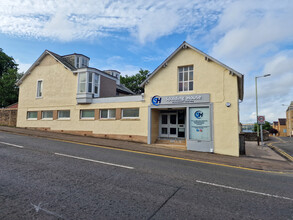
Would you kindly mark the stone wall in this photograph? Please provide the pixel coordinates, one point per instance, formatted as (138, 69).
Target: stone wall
(251, 136)
(8, 117)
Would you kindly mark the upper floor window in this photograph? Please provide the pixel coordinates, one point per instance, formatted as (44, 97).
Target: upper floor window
(185, 78)
(88, 82)
(39, 88)
(82, 82)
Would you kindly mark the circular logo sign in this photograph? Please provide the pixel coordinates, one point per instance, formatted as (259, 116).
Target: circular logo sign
(156, 100)
(198, 114)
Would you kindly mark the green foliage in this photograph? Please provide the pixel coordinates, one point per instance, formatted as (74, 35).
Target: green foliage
(133, 82)
(267, 126)
(8, 78)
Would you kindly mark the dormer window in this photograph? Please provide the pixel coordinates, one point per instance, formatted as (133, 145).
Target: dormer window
(77, 62)
(81, 61)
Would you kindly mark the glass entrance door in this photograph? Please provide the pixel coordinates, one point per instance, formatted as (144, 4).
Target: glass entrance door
(168, 125)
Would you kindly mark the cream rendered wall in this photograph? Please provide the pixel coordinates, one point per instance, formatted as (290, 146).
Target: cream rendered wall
(59, 93)
(211, 78)
(59, 90)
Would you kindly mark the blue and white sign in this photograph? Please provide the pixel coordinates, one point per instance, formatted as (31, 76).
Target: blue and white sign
(180, 99)
(156, 100)
(199, 124)
(198, 114)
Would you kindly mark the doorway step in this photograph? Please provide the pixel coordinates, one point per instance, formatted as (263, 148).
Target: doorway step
(179, 144)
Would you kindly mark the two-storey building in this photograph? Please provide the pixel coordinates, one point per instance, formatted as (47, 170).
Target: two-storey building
(191, 98)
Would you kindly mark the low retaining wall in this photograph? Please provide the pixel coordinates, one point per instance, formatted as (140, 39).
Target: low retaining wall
(252, 136)
(8, 117)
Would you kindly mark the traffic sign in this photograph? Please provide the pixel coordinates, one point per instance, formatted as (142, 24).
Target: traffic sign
(261, 120)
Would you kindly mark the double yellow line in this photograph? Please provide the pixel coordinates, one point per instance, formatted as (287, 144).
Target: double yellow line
(166, 156)
(287, 156)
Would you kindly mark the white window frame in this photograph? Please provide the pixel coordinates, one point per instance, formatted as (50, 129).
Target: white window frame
(108, 113)
(42, 115)
(63, 118)
(27, 113)
(123, 117)
(93, 83)
(91, 118)
(85, 88)
(39, 89)
(186, 81)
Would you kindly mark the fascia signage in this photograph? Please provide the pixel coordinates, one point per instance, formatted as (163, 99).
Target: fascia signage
(180, 99)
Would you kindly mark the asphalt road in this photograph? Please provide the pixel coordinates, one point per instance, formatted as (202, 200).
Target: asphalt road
(48, 179)
(286, 145)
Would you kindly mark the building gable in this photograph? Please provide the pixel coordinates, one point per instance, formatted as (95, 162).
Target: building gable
(207, 58)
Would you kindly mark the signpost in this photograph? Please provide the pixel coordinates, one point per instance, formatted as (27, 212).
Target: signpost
(261, 121)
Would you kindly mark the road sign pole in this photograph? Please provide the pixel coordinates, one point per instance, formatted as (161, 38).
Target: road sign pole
(261, 135)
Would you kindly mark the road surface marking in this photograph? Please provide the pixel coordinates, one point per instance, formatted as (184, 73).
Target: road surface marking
(95, 161)
(166, 156)
(287, 156)
(244, 190)
(157, 155)
(14, 145)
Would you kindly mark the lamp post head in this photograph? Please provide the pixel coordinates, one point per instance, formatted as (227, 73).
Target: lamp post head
(267, 75)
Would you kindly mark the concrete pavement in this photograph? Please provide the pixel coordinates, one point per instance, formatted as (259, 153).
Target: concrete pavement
(259, 159)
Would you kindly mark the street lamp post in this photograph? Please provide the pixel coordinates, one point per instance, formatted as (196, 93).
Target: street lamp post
(257, 106)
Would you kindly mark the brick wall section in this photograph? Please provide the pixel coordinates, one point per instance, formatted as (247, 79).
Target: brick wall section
(97, 114)
(8, 117)
(55, 115)
(118, 113)
(108, 87)
(252, 136)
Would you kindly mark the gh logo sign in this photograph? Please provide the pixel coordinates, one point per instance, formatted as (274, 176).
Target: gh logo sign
(156, 100)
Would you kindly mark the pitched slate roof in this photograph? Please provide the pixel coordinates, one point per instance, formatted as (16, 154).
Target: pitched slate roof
(185, 45)
(124, 89)
(57, 57)
(62, 60)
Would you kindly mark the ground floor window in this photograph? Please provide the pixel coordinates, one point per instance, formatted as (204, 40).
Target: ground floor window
(108, 113)
(47, 114)
(130, 112)
(64, 114)
(87, 114)
(32, 115)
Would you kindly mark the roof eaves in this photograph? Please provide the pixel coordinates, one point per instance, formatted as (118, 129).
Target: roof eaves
(36, 63)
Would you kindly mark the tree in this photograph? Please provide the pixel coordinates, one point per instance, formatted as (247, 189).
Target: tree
(133, 82)
(267, 126)
(8, 78)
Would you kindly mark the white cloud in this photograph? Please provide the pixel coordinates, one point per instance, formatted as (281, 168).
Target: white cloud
(22, 67)
(75, 20)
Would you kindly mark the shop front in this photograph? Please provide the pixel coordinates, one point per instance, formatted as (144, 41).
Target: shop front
(182, 117)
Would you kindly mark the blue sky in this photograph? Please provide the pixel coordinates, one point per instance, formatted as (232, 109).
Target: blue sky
(253, 37)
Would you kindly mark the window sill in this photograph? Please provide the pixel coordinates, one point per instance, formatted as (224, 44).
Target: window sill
(32, 119)
(130, 119)
(87, 119)
(107, 119)
(63, 119)
(47, 119)
(39, 97)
